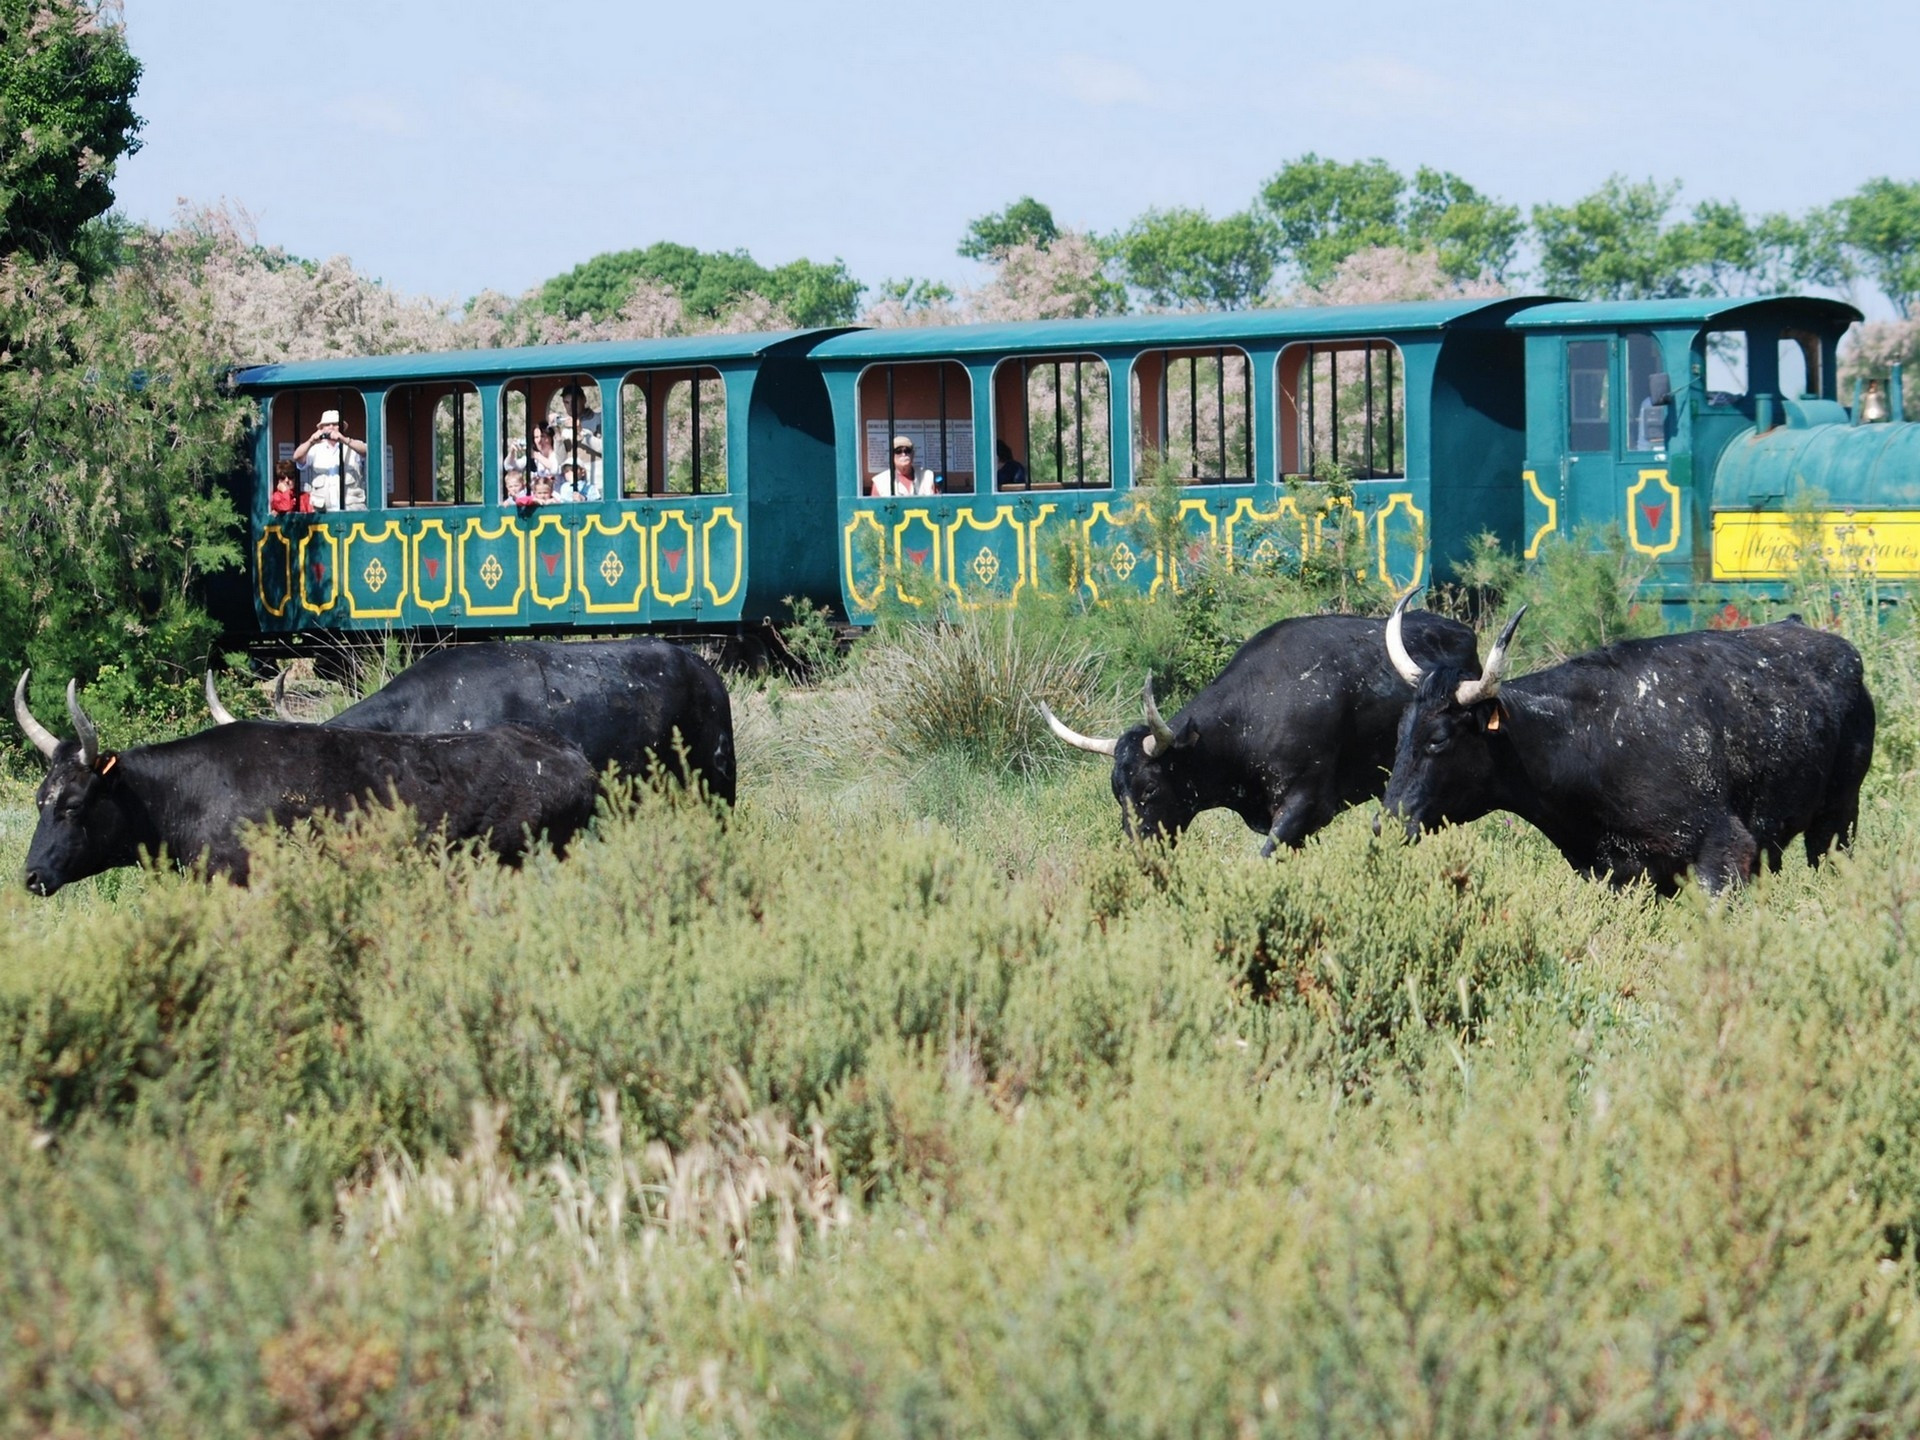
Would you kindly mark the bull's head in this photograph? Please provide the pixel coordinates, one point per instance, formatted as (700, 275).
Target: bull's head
(1153, 777)
(1443, 769)
(84, 824)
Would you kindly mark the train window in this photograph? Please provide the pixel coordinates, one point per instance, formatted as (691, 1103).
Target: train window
(929, 405)
(432, 445)
(1799, 365)
(673, 433)
(1589, 396)
(1646, 421)
(1052, 413)
(295, 420)
(550, 425)
(1726, 367)
(1343, 405)
(1193, 414)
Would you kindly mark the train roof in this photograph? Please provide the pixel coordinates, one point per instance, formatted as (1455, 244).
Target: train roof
(467, 364)
(1685, 310)
(1177, 330)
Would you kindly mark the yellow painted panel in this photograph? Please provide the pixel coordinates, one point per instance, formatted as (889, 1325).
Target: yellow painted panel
(1768, 545)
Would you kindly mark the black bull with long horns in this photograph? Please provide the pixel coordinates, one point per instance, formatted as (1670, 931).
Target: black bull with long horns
(189, 799)
(1299, 724)
(633, 703)
(1707, 751)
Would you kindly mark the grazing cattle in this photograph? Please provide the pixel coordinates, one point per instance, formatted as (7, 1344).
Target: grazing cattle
(1702, 751)
(189, 798)
(1300, 724)
(623, 702)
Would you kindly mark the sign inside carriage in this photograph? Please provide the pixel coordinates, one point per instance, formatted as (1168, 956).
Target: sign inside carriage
(1771, 545)
(925, 435)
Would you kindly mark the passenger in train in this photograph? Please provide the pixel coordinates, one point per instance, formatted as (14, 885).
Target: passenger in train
(1011, 475)
(573, 403)
(287, 496)
(577, 482)
(901, 479)
(323, 457)
(543, 460)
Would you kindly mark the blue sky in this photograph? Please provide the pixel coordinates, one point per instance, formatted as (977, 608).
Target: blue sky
(451, 147)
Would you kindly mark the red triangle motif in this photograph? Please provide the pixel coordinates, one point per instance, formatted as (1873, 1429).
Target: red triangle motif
(319, 572)
(433, 569)
(673, 561)
(1654, 514)
(550, 561)
(919, 557)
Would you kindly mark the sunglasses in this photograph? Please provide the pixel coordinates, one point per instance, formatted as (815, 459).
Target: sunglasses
(903, 449)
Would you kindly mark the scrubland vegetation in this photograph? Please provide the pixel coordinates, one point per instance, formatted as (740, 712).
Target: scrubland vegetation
(911, 1100)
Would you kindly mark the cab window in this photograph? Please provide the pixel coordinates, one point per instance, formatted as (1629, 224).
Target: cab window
(1646, 419)
(673, 433)
(550, 438)
(1052, 423)
(925, 405)
(432, 444)
(1800, 365)
(1343, 406)
(1726, 367)
(1589, 396)
(1193, 415)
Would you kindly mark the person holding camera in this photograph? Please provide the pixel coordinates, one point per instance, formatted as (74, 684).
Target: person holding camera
(333, 466)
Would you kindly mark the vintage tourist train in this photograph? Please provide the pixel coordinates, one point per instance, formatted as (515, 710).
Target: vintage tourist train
(697, 482)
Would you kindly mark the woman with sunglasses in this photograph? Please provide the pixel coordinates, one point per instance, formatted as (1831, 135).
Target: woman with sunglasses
(902, 479)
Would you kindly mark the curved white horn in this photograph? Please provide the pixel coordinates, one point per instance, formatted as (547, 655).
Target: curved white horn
(280, 697)
(221, 715)
(1488, 685)
(41, 737)
(1074, 738)
(1162, 734)
(1397, 645)
(82, 726)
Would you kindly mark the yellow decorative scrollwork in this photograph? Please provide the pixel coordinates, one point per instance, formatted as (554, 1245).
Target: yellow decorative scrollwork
(1552, 522)
(1670, 508)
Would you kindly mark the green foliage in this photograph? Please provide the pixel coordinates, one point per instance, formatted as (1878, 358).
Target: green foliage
(1580, 594)
(970, 688)
(1325, 211)
(1185, 258)
(916, 294)
(1024, 222)
(708, 283)
(66, 119)
(1880, 223)
(811, 638)
(118, 437)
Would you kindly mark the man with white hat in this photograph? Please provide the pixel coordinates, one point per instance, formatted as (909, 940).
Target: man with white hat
(320, 457)
(902, 477)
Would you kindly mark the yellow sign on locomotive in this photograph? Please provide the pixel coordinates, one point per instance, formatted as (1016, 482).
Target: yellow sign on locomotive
(1771, 545)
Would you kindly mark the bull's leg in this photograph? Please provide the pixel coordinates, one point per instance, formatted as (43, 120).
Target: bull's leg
(1727, 855)
(1303, 811)
(1832, 828)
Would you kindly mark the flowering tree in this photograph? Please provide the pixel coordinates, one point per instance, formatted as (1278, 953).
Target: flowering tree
(66, 117)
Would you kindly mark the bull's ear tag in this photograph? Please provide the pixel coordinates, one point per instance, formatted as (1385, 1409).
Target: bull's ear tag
(108, 764)
(1493, 718)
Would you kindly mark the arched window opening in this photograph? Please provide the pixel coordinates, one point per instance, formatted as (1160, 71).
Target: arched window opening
(550, 440)
(322, 433)
(1800, 365)
(431, 451)
(1589, 395)
(926, 406)
(673, 433)
(1343, 409)
(1052, 423)
(1193, 415)
(1726, 367)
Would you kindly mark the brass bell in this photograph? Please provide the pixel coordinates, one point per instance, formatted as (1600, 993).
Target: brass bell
(1873, 405)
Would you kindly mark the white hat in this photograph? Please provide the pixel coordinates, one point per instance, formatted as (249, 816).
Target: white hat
(329, 417)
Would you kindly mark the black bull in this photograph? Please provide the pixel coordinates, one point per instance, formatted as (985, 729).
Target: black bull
(190, 798)
(1706, 751)
(631, 703)
(1299, 724)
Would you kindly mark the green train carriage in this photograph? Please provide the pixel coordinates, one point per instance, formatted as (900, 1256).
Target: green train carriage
(733, 470)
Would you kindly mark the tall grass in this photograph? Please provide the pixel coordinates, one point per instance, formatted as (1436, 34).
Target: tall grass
(910, 1099)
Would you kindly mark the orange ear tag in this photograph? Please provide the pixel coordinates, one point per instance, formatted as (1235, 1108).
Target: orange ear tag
(112, 760)
(1493, 720)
